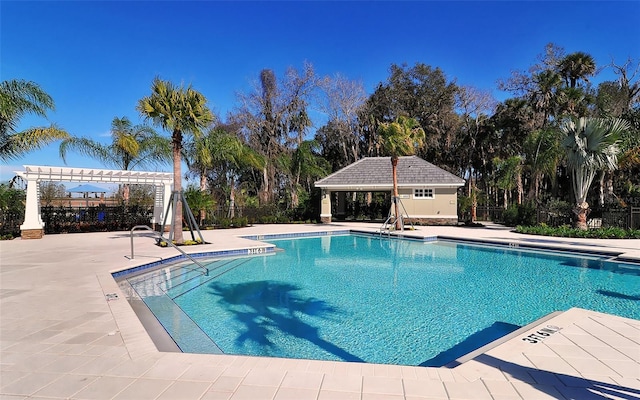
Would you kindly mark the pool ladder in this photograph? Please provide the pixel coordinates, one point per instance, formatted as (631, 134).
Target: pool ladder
(168, 242)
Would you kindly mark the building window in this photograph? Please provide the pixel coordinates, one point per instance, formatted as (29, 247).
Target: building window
(423, 193)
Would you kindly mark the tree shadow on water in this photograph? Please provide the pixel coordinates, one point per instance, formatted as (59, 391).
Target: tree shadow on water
(265, 307)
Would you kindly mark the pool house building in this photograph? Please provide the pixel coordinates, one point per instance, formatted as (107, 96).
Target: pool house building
(428, 194)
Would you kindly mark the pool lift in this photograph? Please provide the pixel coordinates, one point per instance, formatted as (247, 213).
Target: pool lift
(389, 224)
(172, 206)
(160, 237)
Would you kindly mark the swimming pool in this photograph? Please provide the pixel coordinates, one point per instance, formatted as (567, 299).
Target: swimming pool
(377, 300)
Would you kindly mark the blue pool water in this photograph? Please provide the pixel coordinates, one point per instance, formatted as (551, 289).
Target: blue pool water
(378, 300)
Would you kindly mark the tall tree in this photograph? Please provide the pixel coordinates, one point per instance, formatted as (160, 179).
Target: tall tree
(17, 99)
(427, 95)
(132, 146)
(591, 145)
(544, 96)
(509, 176)
(576, 67)
(221, 151)
(475, 106)
(629, 84)
(181, 111)
(542, 152)
(306, 164)
(402, 137)
(341, 101)
(275, 120)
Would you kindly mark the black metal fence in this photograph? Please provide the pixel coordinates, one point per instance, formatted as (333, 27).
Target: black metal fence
(626, 218)
(621, 217)
(10, 222)
(94, 219)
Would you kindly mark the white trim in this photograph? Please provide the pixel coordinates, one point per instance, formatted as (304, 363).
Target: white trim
(73, 174)
(363, 188)
(435, 216)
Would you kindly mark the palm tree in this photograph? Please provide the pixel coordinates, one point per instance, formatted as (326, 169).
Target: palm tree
(576, 66)
(131, 146)
(543, 153)
(181, 111)
(399, 138)
(18, 98)
(221, 149)
(592, 145)
(545, 95)
(509, 176)
(305, 165)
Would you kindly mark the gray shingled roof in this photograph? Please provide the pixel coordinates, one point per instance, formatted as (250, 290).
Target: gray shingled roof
(375, 172)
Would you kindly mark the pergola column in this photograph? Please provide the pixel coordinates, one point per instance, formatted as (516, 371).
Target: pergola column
(325, 207)
(166, 197)
(33, 227)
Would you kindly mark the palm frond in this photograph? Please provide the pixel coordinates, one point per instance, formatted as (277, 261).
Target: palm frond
(89, 148)
(16, 145)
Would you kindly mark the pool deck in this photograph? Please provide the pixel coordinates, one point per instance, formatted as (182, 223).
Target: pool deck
(66, 331)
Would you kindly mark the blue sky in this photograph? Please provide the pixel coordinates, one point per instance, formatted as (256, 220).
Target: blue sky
(97, 59)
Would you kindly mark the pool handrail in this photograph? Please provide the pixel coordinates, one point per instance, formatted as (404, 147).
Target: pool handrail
(168, 242)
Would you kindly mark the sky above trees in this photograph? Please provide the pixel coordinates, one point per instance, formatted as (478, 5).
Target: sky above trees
(97, 59)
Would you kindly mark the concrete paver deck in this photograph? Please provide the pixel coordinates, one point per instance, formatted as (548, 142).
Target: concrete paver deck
(61, 336)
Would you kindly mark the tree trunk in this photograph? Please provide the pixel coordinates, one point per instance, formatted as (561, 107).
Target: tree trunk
(608, 185)
(264, 190)
(470, 194)
(203, 189)
(519, 186)
(581, 211)
(232, 199)
(177, 187)
(126, 193)
(474, 205)
(203, 181)
(295, 201)
(601, 190)
(394, 165)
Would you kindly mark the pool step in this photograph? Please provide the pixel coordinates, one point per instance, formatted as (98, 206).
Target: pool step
(186, 334)
(180, 278)
(216, 269)
(163, 277)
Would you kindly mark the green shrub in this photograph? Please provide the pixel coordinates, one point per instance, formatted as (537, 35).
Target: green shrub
(566, 231)
(520, 214)
(240, 222)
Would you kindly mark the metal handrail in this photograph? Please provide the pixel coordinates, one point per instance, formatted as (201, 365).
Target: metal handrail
(167, 242)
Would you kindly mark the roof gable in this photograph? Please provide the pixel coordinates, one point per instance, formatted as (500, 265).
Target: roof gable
(376, 172)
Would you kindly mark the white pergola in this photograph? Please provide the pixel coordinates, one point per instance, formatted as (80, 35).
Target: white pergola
(33, 226)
